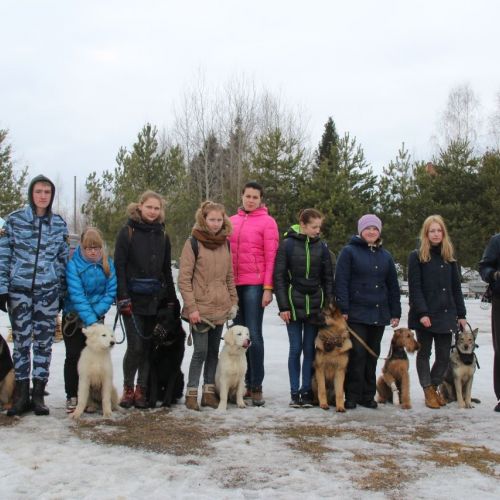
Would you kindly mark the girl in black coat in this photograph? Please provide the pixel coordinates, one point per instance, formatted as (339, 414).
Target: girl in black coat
(436, 304)
(144, 276)
(303, 283)
(367, 293)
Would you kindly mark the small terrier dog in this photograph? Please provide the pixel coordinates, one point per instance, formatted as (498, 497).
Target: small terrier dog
(395, 379)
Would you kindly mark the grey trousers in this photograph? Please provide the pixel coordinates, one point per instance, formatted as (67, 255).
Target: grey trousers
(442, 343)
(206, 350)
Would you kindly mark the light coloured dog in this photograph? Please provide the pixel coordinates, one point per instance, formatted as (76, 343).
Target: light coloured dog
(7, 376)
(394, 384)
(457, 383)
(232, 366)
(95, 372)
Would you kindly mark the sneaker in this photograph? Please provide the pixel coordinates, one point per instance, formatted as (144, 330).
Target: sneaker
(497, 407)
(71, 404)
(307, 399)
(295, 400)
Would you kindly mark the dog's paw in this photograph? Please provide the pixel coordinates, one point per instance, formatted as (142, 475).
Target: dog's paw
(469, 405)
(75, 415)
(241, 404)
(107, 414)
(406, 406)
(340, 409)
(324, 407)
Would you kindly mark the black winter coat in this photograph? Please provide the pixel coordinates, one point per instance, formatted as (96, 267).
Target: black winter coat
(435, 291)
(490, 263)
(366, 284)
(303, 275)
(143, 251)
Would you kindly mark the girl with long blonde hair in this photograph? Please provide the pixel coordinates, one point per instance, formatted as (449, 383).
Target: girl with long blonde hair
(437, 305)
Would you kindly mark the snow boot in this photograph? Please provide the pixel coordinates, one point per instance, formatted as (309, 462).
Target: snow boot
(22, 402)
(140, 398)
(257, 399)
(127, 399)
(208, 397)
(191, 400)
(38, 394)
(431, 399)
(440, 397)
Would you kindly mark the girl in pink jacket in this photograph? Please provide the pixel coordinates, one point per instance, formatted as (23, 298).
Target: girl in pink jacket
(254, 243)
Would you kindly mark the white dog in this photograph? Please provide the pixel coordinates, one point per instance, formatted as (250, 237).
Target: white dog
(232, 366)
(95, 372)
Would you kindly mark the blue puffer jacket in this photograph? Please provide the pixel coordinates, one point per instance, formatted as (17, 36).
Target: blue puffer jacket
(366, 284)
(90, 291)
(33, 252)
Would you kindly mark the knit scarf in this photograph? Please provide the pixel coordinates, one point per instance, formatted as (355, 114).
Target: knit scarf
(209, 240)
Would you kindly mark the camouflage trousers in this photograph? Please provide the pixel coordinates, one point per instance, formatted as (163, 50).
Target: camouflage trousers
(33, 320)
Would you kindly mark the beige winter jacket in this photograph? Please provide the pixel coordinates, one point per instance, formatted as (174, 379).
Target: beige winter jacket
(210, 288)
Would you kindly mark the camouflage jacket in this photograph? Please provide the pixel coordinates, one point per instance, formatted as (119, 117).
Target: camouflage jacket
(33, 252)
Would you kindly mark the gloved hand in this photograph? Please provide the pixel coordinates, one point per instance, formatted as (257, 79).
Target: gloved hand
(233, 312)
(4, 300)
(125, 307)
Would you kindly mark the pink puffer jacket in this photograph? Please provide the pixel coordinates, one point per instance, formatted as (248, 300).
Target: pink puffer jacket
(254, 243)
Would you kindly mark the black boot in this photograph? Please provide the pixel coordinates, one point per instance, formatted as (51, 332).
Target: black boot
(38, 393)
(22, 398)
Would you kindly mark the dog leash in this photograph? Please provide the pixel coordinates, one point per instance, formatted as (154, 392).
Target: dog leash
(361, 341)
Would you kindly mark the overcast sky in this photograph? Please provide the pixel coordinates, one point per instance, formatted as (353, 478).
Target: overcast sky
(78, 79)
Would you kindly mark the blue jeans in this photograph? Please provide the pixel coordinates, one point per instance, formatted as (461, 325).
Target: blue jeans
(301, 344)
(206, 351)
(251, 314)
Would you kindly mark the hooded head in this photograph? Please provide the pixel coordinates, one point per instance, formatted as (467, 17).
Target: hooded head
(369, 220)
(42, 181)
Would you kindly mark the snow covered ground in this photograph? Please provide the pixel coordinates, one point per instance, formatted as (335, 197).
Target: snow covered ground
(274, 451)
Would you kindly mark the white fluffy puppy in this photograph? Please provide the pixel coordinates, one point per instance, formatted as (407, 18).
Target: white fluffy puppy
(232, 366)
(95, 372)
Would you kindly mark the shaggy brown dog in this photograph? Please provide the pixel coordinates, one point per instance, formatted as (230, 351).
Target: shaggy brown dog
(395, 379)
(330, 362)
(7, 377)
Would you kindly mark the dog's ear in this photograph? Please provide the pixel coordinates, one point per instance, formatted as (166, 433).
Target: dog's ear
(229, 337)
(85, 331)
(475, 332)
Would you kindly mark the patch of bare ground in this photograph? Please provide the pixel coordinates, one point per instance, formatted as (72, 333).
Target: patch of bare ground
(6, 421)
(452, 454)
(159, 432)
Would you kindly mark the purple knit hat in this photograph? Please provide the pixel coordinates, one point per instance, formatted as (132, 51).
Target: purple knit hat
(369, 220)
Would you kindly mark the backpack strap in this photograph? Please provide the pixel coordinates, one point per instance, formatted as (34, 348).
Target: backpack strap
(194, 246)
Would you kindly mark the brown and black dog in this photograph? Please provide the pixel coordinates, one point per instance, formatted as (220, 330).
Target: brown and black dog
(7, 377)
(331, 359)
(395, 379)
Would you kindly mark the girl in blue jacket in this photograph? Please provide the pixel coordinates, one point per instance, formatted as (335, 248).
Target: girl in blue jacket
(367, 292)
(91, 281)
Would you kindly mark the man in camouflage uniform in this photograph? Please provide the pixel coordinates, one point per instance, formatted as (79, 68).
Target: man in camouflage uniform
(33, 255)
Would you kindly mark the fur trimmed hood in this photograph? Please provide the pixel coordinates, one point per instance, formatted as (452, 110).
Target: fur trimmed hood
(134, 214)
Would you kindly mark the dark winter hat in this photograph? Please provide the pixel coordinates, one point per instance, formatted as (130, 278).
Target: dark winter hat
(41, 178)
(369, 220)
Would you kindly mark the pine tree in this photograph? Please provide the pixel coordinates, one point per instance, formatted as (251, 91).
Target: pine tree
(278, 164)
(329, 143)
(12, 183)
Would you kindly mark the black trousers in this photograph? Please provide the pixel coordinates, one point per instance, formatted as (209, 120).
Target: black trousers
(74, 341)
(361, 379)
(495, 331)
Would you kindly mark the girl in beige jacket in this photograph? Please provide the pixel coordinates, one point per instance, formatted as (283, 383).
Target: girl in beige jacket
(207, 288)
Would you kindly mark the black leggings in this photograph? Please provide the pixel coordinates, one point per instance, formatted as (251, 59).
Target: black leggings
(361, 379)
(74, 342)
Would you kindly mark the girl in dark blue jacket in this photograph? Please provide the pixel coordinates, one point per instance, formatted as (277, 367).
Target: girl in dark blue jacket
(436, 304)
(367, 292)
(91, 281)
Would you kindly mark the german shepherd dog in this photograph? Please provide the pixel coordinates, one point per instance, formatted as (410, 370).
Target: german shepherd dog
(7, 377)
(457, 383)
(331, 359)
(395, 379)
(166, 380)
